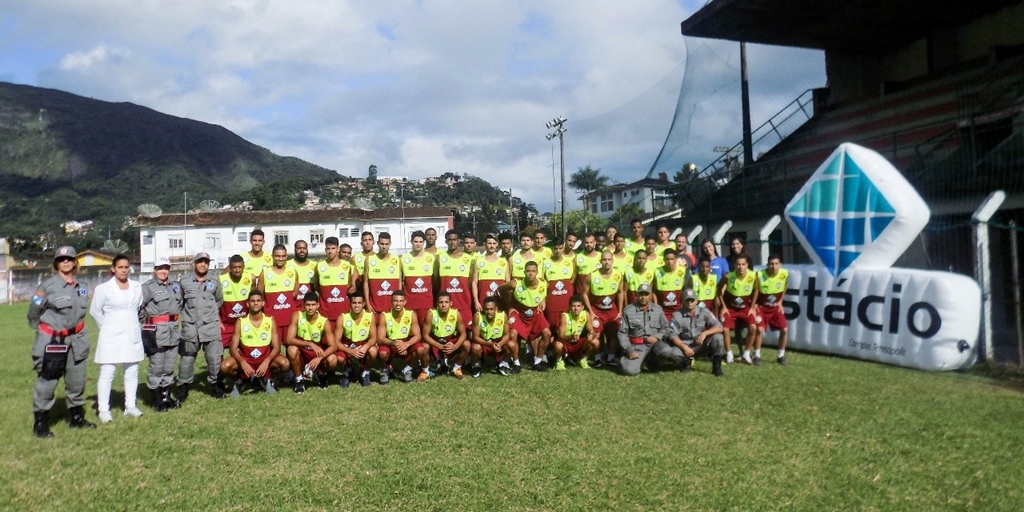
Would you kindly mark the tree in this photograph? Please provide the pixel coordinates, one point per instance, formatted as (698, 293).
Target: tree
(579, 222)
(624, 214)
(587, 180)
(371, 174)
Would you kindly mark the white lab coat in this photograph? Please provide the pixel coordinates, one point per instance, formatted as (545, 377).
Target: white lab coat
(116, 313)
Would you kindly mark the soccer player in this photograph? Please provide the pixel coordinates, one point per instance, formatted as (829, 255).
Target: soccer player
(651, 246)
(738, 308)
(505, 242)
(570, 244)
(491, 338)
(490, 272)
(540, 240)
(357, 341)
(418, 274)
(524, 255)
(336, 280)
(256, 259)
(430, 235)
(304, 267)
(359, 259)
(636, 242)
(527, 297)
(664, 244)
(382, 276)
(705, 285)
(235, 284)
(255, 349)
(640, 272)
(311, 345)
(398, 335)
(560, 274)
(345, 253)
(452, 271)
(669, 282)
(604, 295)
(772, 283)
(445, 332)
(469, 246)
(280, 286)
(576, 336)
(588, 260)
(621, 260)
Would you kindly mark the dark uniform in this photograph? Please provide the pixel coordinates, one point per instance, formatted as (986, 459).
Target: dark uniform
(61, 347)
(200, 328)
(161, 302)
(688, 326)
(637, 325)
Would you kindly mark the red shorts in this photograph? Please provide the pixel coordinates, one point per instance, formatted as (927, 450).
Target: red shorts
(528, 328)
(709, 304)
(607, 319)
(255, 362)
(486, 351)
(282, 333)
(772, 317)
(306, 355)
(738, 319)
(553, 317)
(390, 353)
(226, 332)
(436, 352)
(575, 349)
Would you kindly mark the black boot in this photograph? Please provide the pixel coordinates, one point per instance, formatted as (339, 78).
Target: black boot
(716, 366)
(160, 400)
(182, 394)
(217, 390)
(41, 428)
(687, 364)
(169, 398)
(78, 418)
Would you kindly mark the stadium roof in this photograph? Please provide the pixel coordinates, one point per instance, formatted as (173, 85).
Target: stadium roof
(853, 25)
(292, 216)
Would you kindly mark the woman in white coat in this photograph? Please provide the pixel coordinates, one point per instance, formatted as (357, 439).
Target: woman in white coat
(115, 308)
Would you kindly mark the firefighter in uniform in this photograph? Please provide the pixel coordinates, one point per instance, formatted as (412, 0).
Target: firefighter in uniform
(200, 327)
(61, 347)
(161, 303)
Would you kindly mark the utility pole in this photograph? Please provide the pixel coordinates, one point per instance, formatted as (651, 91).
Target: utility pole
(558, 124)
(748, 149)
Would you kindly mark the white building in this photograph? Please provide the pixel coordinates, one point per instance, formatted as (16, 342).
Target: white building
(222, 234)
(650, 194)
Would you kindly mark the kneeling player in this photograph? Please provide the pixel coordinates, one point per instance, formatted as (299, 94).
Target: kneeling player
(491, 338)
(399, 336)
(577, 336)
(311, 344)
(255, 349)
(357, 341)
(444, 331)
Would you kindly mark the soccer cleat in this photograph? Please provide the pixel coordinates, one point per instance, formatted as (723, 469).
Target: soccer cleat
(746, 360)
(782, 361)
(560, 364)
(476, 370)
(729, 357)
(757, 360)
(41, 427)
(132, 412)
(598, 361)
(516, 368)
(458, 373)
(345, 382)
(235, 392)
(268, 386)
(385, 376)
(324, 379)
(78, 418)
(407, 374)
(300, 387)
(612, 362)
(539, 367)
(365, 379)
(503, 369)
(584, 363)
(105, 417)
(424, 375)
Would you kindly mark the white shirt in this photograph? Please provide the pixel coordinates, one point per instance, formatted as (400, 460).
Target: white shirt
(116, 313)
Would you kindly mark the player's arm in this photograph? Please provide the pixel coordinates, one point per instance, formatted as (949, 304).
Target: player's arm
(292, 339)
(585, 292)
(366, 285)
(331, 341)
(755, 295)
(414, 334)
(560, 335)
(506, 338)
(461, 329)
(474, 282)
(260, 285)
(295, 285)
(505, 291)
(275, 348)
(382, 330)
(353, 276)
(428, 333)
(236, 338)
(722, 310)
(620, 297)
(478, 338)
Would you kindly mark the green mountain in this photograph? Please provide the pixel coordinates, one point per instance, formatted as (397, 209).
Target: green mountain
(67, 157)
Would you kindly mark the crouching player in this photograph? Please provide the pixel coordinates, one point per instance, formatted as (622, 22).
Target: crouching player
(772, 284)
(445, 332)
(255, 349)
(399, 336)
(527, 297)
(491, 338)
(357, 341)
(311, 345)
(577, 335)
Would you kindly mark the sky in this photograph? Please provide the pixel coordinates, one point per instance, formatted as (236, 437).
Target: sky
(417, 88)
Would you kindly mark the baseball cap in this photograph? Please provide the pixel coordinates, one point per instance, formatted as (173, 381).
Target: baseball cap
(162, 262)
(202, 256)
(688, 294)
(65, 251)
(644, 288)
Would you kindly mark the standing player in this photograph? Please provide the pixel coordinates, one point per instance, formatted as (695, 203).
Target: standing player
(524, 255)
(540, 241)
(235, 286)
(588, 260)
(505, 242)
(256, 259)
(640, 272)
(280, 285)
(453, 269)
(621, 260)
(705, 285)
(772, 284)
(357, 341)
(399, 336)
(604, 296)
(469, 246)
(430, 235)
(311, 345)
(664, 244)
(336, 280)
(635, 242)
(576, 336)
(366, 250)
(200, 327)
(255, 349)
(560, 274)
(382, 276)
(445, 332)
(490, 272)
(739, 308)
(527, 297)
(669, 282)
(418, 273)
(305, 268)
(491, 338)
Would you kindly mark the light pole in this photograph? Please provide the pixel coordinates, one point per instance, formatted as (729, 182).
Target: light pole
(558, 124)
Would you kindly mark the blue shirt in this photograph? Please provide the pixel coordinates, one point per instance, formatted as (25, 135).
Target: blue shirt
(719, 267)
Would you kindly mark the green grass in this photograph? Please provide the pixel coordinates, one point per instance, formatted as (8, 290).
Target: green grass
(823, 434)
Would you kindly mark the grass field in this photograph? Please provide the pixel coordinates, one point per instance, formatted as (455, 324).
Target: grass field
(822, 434)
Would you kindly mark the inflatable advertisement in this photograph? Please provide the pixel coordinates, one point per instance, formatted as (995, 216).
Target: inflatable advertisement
(855, 216)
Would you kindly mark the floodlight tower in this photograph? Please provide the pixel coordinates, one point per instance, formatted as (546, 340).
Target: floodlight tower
(558, 125)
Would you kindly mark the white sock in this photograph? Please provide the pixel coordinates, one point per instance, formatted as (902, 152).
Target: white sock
(407, 369)
(456, 367)
(782, 352)
(106, 380)
(131, 384)
(298, 378)
(503, 363)
(611, 357)
(746, 354)
(515, 362)
(757, 352)
(538, 360)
